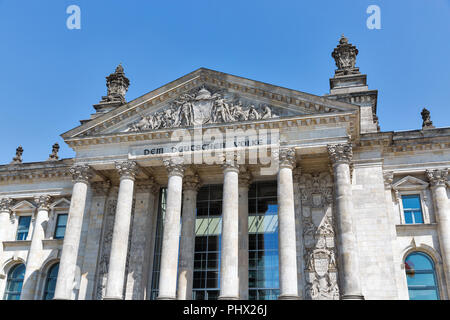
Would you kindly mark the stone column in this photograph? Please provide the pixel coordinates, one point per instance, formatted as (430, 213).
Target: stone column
(68, 263)
(171, 233)
(140, 240)
(438, 181)
(187, 244)
(229, 266)
(119, 245)
(5, 216)
(244, 182)
(34, 258)
(287, 246)
(341, 157)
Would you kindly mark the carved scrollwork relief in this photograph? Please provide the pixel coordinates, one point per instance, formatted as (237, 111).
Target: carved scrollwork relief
(316, 191)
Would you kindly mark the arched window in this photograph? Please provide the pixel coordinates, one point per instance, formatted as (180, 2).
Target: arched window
(50, 283)
(15, 282)
(421, 277)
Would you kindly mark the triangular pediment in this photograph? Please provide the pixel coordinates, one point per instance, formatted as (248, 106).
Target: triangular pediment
(409, 183)
(206, 97)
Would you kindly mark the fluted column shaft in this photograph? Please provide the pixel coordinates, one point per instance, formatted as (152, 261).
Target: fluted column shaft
(287, 246)
(68, 262)
(33, 263)
(244, 181)
(5, 214)
(341, 156)
(438, 180)
(171, 233)
(229, 267)
(187, 243)
(121, 231)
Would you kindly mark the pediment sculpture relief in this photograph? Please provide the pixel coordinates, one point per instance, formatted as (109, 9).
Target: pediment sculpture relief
(201, 108)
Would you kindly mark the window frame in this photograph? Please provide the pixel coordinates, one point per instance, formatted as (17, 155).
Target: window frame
(422, 211)
(8, 279)
(57, 216)
(46, 279)
(410, 185)
(435, 271)
(29, 230)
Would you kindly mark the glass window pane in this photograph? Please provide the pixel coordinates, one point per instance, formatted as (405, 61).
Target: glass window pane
(418, 216)
(14, 282)
(421, 277)
(408, 217)
(23, 227)
(411, 201)
(423, 295)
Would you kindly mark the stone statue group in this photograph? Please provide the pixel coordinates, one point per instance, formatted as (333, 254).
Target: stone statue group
(201, 108)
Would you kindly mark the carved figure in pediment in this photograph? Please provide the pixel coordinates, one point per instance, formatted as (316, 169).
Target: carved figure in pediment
(267, 113)
(253, 113)
(221, 111)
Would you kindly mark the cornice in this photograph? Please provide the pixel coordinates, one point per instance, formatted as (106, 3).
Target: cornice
(350, 118)
(17, 173)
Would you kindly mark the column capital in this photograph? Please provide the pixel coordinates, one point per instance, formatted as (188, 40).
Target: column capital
(101, 188)
(127, 169)
(174, 166)
(388, 177)
(340, 153)
(81, 173)
(43, 202)
(148, 185)
(286, 157)
(230, 163)
(437, 177)
(191, 182)
(245, 179)
(6, 204)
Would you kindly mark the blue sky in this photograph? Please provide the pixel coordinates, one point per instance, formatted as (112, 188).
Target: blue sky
(51, 76)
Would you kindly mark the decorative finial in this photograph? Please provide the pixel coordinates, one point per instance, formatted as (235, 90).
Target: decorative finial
(345, 57)
(18, 158)
(117, 84)
(54, 155)
(427, 123)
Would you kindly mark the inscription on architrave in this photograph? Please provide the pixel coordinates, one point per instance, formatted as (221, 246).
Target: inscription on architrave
(316, 192)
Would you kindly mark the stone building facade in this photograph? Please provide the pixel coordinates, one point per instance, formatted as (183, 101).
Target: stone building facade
(220, 187)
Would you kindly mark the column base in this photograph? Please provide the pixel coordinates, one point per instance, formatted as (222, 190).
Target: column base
(228, 298)
(352, 297)
(112, 298)
(166, 298)
(288, 297)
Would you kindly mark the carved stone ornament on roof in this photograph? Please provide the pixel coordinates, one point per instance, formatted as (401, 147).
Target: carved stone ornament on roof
(54, 155)
(18, 158)
(117, 84)
(345, 57)
(199, 108)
